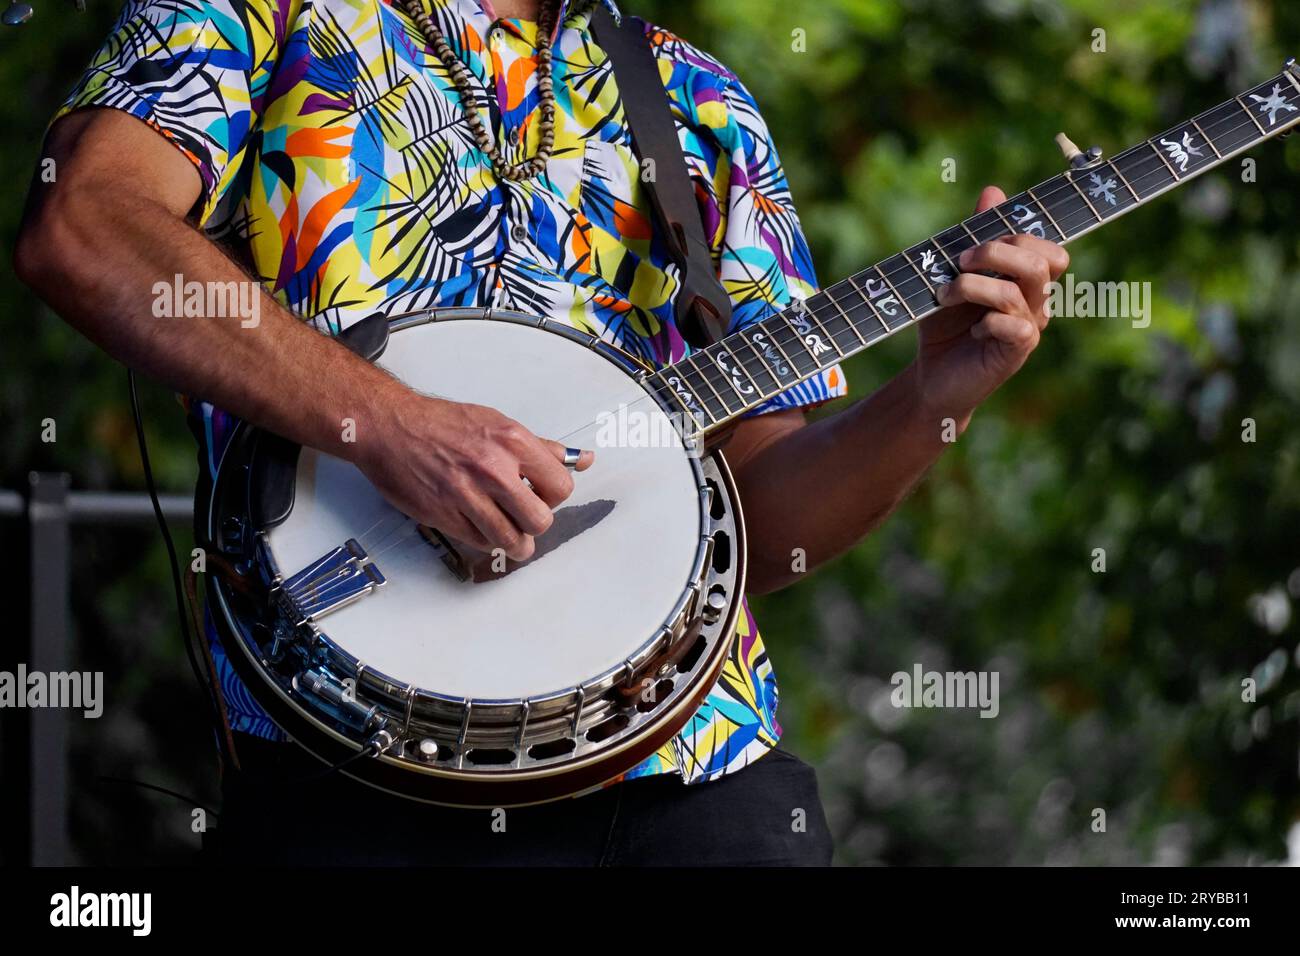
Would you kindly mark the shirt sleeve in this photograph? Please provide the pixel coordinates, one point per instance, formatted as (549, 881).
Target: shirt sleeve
(764, 260)
(197, 71)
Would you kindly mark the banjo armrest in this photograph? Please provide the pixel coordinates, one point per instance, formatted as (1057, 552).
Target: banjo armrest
(273, 471)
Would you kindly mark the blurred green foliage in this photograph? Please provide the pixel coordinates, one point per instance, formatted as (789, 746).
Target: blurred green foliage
(1121, 690)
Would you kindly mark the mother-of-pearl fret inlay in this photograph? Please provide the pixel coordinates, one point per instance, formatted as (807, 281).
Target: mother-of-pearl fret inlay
(775, 360)
(1028, 223)
(881, 296)
(1181, 151)
(1103, 188)
(686, 398)
(727, 379)
(933, 270)
(1273, 103)
(812, 340)
(723, 358)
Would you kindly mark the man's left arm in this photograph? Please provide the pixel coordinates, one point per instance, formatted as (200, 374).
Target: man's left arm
(822, 487)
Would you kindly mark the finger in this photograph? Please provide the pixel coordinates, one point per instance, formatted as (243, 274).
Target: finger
(1000, 295)
(528, 506)
(459, 528)
(497, 528)
(1025, 267)
(1013, 330)
(542, 464)
(1058, 259)
(559, 451)
(990, 196)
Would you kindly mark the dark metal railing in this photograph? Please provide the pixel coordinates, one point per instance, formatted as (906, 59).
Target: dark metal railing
(51, 508)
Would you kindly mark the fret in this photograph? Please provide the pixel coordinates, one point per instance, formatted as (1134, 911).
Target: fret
(1144, 172)
(884, 298)
(733, 370)
(1029, 217)
(761, 340)
(1272, 105)
(1068, 207)
(1291, 76)
(1048, 213)
(1156, 149)
(905, 281)
(715, 379)
(841, 317)
(736, 367)
(769, 339)
(673, 382)
(930, 263)
(1005, 221)
(1070, 179)
(803, 319)
(986, 226)
(758, 372)
(1133, 194)
(1102, 184)
(917, 269)
(952, 242)
(876, 309)
(695, 377)
(1242, 104)
(1229, 130)
(1207, 139)
(787, 340)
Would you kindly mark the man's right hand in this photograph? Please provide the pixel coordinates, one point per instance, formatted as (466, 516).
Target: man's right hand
(460, 468)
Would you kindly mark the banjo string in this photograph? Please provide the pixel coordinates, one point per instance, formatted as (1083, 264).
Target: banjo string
(404, 533)
(641, 393)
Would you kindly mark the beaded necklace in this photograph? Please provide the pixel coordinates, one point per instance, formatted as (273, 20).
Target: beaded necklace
(463, 79)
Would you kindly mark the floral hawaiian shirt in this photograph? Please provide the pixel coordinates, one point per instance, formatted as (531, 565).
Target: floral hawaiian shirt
(335, 159)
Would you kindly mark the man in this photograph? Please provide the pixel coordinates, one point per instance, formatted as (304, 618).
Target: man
(362, 156)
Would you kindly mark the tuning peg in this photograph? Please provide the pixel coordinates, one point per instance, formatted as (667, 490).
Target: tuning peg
(17, 14)
(1068, 149)
(1075, 156)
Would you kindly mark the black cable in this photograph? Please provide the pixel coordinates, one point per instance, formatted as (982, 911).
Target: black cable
(127, 781)
(369, 749)
(214, 711)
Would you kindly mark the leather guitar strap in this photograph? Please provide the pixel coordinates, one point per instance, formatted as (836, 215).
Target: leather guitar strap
(702, 307)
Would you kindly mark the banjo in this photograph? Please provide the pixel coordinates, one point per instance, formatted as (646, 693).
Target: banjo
(386, 651)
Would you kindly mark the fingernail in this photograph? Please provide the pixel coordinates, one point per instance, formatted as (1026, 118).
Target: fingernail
(963, 260)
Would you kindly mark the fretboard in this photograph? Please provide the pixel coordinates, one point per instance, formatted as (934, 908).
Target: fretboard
(717, 384)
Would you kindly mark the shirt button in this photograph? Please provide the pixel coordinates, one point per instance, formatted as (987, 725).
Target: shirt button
(518, 233)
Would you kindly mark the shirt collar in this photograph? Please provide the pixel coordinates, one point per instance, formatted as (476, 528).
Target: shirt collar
(566, 6)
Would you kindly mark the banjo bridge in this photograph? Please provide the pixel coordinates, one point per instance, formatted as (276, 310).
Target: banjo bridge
(448, 552)
(334, 580)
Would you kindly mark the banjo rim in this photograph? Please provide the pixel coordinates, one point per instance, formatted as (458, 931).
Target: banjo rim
(455, 783)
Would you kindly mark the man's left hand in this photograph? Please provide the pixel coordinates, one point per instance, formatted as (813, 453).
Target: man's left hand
(988, 326)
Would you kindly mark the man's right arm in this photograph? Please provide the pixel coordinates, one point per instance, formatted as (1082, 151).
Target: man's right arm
(94, 243)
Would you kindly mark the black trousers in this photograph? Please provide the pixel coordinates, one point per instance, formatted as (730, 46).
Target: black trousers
(768, 814)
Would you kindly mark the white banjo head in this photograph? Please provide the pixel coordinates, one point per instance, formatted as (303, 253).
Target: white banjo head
(614, 563)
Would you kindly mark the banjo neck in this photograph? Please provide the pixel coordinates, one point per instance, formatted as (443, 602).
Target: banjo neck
(717, 384)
